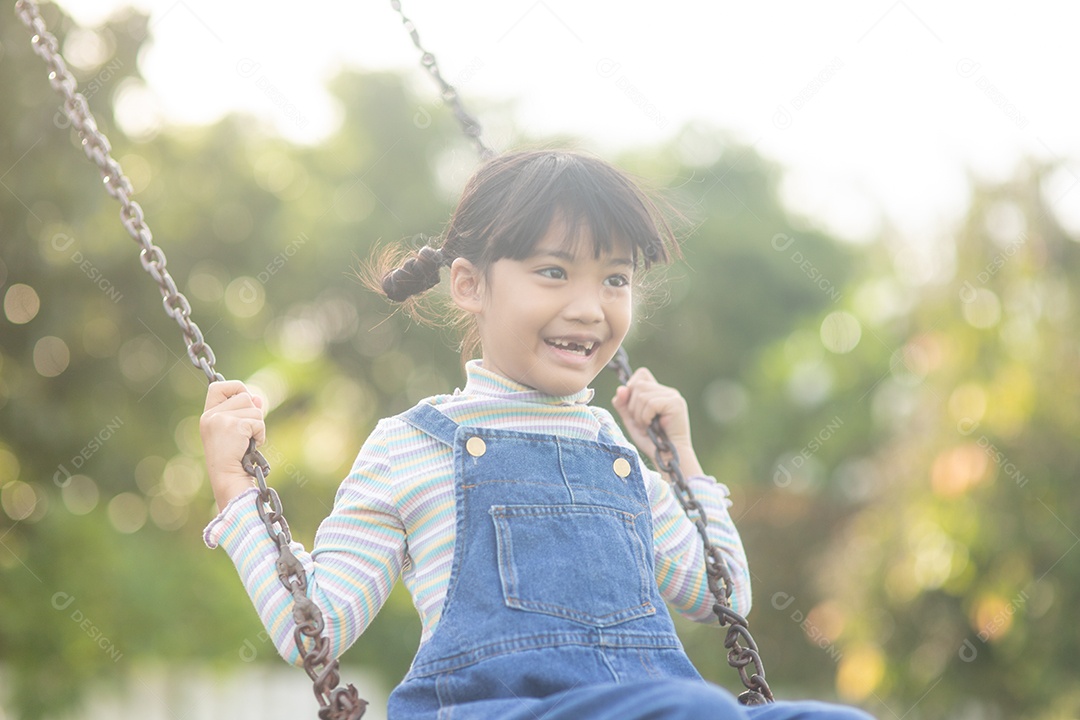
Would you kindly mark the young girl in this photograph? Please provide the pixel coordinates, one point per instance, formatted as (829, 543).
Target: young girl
(539, 549)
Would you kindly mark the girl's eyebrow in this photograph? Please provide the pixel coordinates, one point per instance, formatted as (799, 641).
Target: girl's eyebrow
(570, 257)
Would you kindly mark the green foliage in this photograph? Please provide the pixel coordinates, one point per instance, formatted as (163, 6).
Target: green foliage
(100, 462)
(896, 443)
(961, 545)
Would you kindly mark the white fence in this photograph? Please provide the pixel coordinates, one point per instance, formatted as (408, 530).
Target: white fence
(203, 693)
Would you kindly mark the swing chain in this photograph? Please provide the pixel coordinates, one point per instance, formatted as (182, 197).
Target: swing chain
(335, 703)
(469, 124)
(97, 149)
(742, 650)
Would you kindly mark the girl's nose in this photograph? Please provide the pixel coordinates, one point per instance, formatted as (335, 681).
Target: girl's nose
(586, 306)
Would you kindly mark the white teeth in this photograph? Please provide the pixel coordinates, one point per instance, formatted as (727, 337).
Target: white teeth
(573, 347)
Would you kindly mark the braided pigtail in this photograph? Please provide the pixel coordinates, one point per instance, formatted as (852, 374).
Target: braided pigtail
(418, 274)
(507, 208)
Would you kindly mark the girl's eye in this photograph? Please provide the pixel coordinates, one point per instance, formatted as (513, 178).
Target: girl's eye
(618, 281)
(555, 273)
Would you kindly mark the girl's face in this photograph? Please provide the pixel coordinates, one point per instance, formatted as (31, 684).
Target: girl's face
(553, 320)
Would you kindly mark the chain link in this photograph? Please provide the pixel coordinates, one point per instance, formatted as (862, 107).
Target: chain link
(334, 703)
(97, 149)
(742, 650)
(469, 124)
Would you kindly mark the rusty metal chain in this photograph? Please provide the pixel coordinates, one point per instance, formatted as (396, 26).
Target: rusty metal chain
(97, 149)
(335, 703)
(469, 124)
(742, 650)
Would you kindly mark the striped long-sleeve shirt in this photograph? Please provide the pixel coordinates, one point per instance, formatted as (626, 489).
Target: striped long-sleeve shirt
(394, 516)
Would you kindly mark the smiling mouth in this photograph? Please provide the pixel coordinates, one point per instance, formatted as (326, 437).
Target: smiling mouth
(582, 349)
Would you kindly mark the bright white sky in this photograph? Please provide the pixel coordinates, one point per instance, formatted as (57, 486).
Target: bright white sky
(873, 107)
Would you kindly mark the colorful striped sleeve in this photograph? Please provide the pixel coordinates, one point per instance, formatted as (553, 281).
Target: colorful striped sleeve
(358, 554)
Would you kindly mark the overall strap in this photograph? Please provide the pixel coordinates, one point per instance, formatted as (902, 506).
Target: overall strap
(426, 418)
(605, 437)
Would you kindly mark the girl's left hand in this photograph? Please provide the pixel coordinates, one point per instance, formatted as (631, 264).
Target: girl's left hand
(642, 399)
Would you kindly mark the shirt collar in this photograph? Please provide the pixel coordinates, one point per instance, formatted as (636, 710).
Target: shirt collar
(479, 381)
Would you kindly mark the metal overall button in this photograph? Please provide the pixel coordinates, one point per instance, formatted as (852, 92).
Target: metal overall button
(475, 446)
(621, 467)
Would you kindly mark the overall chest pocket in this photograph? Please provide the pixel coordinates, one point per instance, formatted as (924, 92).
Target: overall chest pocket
(585, 563)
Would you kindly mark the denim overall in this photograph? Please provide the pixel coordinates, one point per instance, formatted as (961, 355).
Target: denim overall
(552, 609)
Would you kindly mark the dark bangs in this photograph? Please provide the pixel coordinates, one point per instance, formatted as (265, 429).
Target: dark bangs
(520, 195)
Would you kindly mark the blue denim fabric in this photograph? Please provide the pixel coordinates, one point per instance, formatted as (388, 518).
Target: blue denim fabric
(552, 609)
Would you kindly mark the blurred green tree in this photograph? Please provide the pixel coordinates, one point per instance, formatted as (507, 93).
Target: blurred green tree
(953, 575)
(895, 439)
(100, 462)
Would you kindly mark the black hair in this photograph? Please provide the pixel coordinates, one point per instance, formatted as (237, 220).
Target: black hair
(510, 203)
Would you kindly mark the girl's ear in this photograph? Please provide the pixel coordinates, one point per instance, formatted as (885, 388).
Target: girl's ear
(466, 286)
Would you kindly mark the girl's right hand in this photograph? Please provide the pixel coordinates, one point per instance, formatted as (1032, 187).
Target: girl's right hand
(232, 416)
